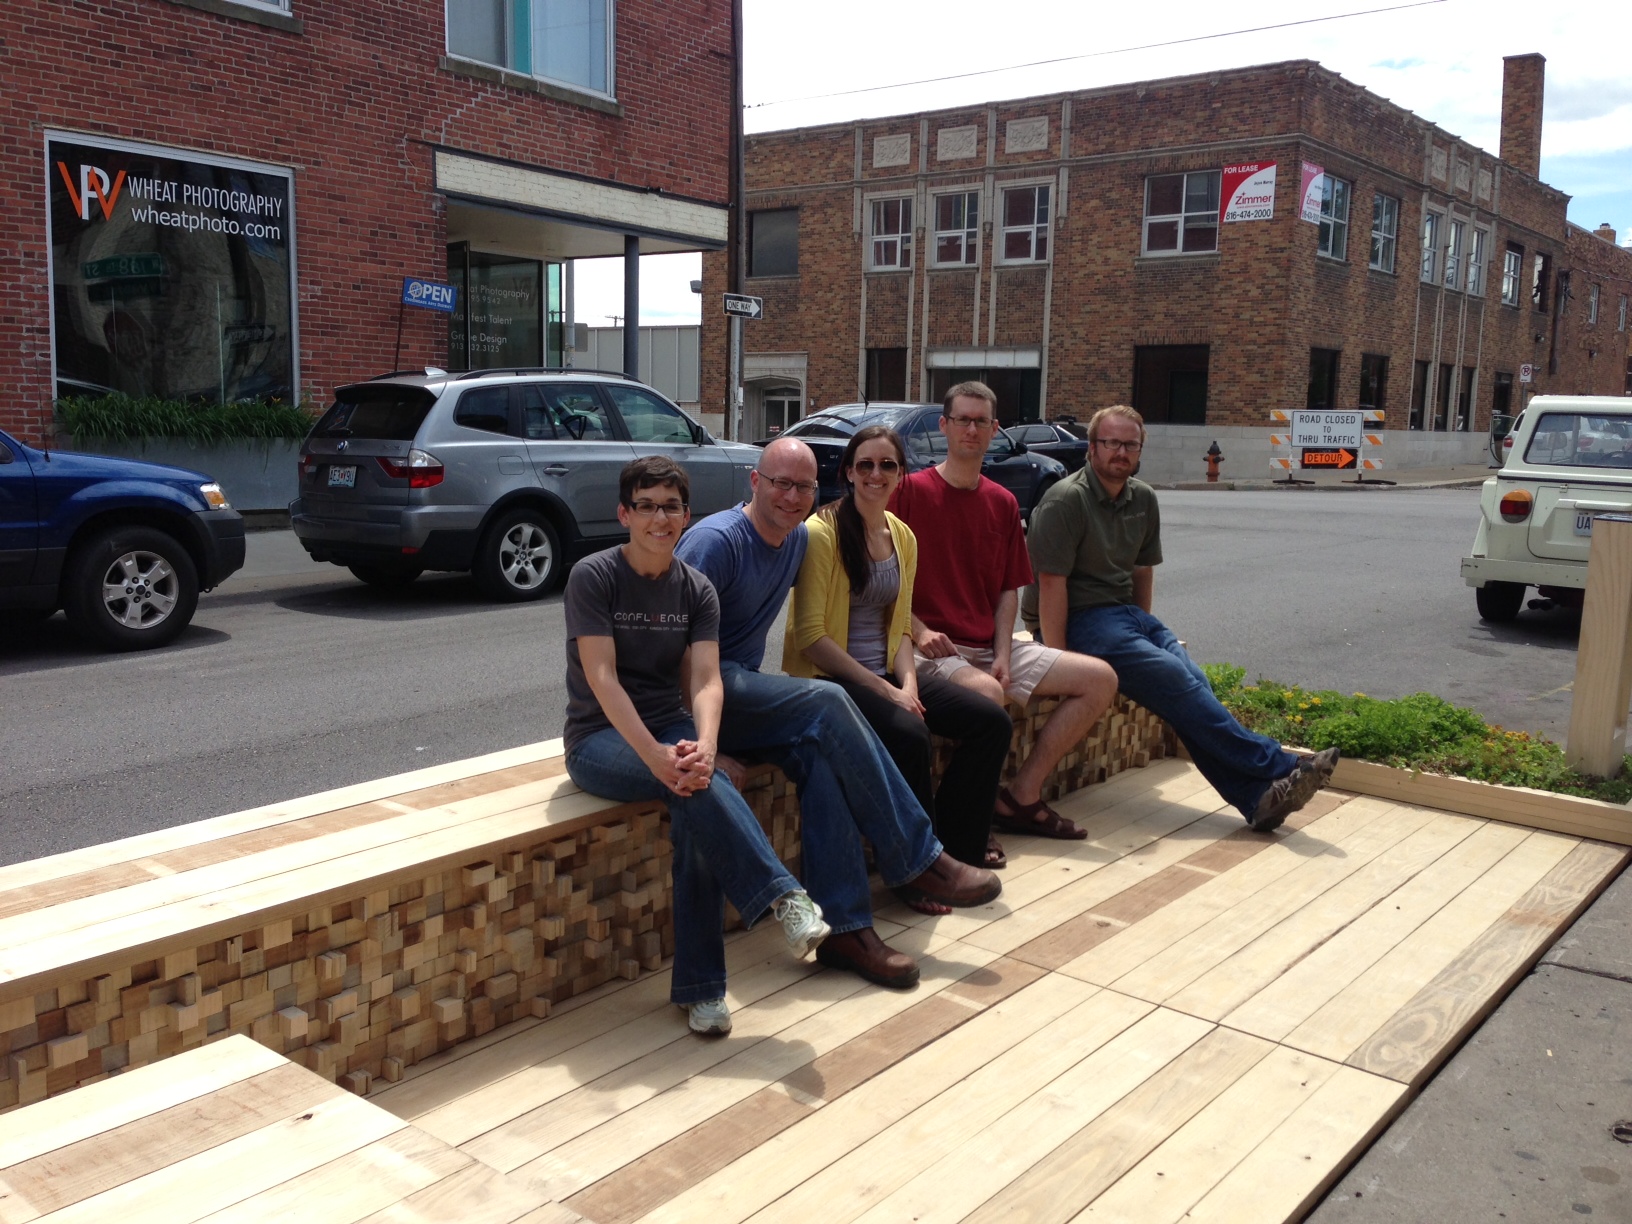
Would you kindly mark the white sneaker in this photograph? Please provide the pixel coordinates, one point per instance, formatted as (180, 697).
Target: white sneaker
(801, 920)
(710, 1017)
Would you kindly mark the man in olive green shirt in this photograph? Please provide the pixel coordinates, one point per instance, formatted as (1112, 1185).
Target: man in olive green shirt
(1095, 540)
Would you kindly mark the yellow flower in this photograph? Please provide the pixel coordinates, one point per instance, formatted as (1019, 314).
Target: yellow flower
(1315, 700)
(1303, 705)
(1359, 694)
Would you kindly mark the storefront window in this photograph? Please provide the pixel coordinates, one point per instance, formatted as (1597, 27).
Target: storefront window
(500, 321)
(171, 274)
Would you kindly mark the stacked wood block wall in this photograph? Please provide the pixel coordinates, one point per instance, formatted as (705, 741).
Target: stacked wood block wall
(1127, 737)
(361, 989)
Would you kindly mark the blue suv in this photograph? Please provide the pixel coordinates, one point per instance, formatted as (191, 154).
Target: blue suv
(123, 547)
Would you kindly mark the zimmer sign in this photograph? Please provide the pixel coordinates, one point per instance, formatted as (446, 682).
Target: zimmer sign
(1249, 192)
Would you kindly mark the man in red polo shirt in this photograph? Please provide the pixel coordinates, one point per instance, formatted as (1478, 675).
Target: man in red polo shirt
(972, 562)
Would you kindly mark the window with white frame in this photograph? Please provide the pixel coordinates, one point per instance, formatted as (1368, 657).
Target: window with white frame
(892, 233)
(567, 41)
(957, 228)
(1512, 273)
(1334, 217)
(1025, 224)
(1455, 235)
(1181, 213)
(1592, 303)
(1476, 261)
(1385, 227)
(1431, 222)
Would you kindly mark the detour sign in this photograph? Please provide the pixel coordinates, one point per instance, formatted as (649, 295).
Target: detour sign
(1337, 458)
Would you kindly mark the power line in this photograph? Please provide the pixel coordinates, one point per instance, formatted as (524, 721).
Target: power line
(1066, 59)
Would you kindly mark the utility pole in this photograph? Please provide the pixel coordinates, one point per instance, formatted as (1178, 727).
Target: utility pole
(738, 232)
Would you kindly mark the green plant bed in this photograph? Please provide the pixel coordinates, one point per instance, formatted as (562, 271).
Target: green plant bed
(1420, 732)
(124, 418)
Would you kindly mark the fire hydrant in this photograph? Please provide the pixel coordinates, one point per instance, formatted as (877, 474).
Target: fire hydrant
(1214, 458)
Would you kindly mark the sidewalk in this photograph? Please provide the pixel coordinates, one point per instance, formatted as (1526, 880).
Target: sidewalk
(1460, 476)
(1517, 1126)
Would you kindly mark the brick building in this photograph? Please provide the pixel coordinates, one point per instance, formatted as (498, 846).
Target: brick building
(1207, 248)
(220, 199)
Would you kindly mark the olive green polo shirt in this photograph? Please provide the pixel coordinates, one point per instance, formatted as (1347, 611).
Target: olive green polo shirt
(1095, 540)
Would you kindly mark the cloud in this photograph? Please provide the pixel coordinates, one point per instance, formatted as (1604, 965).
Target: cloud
(1573, 101)
(1399, 65)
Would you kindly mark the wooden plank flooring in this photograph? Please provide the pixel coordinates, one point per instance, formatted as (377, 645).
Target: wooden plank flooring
(1175, 1019)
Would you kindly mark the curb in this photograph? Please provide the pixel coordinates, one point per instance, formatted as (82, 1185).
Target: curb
(1261, 486)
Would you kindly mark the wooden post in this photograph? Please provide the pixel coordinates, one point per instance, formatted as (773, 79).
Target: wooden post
(1603, 661)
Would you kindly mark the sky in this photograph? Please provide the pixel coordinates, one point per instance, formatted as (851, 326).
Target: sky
(1442, 60)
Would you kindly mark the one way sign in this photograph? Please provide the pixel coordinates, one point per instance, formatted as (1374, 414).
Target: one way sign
(742, 304)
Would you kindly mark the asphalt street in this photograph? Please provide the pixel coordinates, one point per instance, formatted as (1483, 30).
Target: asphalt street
(296, 678)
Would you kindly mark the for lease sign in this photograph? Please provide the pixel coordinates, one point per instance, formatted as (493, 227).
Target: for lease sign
(1309, 194)
(1249, 192)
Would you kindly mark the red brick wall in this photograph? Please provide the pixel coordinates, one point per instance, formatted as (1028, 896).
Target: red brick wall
(1261, 302)
(353, 104)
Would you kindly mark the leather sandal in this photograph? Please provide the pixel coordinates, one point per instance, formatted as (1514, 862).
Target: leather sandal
(1037, 819)
(995, 859)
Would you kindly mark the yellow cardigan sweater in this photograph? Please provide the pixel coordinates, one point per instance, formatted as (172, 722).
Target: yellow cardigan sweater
(821, 598)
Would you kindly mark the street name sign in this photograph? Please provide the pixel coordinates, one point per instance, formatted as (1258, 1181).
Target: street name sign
(742, 304)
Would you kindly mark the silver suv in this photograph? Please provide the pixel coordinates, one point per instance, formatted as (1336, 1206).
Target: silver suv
(506, 473)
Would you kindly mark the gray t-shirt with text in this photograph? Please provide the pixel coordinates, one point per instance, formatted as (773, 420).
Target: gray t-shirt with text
(651, 621)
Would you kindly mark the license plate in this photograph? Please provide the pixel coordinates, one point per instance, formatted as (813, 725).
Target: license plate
(343, 477)
(1583, 522)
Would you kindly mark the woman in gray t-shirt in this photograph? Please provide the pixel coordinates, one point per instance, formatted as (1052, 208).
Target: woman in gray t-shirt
(637, 622)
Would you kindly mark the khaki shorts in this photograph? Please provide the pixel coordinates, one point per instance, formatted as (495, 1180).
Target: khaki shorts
(1029, 662)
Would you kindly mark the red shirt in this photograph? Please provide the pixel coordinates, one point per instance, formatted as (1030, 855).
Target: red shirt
(970, 550)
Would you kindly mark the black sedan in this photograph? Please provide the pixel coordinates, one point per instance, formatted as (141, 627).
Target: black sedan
(1053, 440)
(1009, 462)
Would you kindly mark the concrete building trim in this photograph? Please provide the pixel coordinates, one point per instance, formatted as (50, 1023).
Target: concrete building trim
(467, 176)
(256, 14)
(984, 358)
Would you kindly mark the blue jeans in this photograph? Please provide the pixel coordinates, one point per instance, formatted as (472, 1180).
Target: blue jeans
(848, 786)
(1154, 670)
(719, 851)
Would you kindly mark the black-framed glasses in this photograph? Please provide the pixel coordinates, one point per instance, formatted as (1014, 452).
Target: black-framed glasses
(1116, 444)
(646, 508)
(805, 488)
(866, 467)
(963, 422)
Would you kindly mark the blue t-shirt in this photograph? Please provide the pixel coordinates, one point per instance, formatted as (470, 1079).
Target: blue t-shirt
(752, 578)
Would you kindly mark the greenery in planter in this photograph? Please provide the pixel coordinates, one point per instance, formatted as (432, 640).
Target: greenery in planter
(124, 418)
(1421, 732)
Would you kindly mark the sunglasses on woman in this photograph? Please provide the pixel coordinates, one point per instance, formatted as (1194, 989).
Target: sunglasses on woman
(888, 467)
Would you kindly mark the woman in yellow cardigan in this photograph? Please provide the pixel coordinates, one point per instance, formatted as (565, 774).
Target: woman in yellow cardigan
(850, 622)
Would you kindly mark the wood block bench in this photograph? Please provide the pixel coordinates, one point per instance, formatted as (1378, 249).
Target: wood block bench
(233, 1131)
(359, 931)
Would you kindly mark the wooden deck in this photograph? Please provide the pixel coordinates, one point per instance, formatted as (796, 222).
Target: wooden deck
(1177, 1018)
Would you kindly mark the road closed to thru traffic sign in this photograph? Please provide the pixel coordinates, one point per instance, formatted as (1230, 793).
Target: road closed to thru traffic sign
(1328, 430)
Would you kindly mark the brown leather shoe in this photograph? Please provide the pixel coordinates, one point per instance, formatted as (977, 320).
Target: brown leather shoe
(863, 953)
(952, 883)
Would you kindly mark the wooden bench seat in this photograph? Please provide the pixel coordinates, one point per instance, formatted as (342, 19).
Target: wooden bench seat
(362, 929)
(234, 1132)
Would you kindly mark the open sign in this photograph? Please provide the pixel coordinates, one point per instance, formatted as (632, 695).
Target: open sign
(431, 295)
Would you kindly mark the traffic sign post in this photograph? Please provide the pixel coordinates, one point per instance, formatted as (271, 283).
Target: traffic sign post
(739, 306)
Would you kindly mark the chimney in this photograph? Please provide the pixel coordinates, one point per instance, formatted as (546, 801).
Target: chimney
(1522, 80)
(1606, 231)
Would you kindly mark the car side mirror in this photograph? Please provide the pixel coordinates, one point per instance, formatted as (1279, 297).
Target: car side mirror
(1019, 446)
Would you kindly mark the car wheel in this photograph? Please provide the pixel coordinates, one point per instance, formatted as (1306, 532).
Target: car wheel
(130, 588)
(519, 557)
(386, 575)
(1499, 601)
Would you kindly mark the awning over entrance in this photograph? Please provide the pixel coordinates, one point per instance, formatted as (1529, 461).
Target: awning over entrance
(562, 217)
(511, 226)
